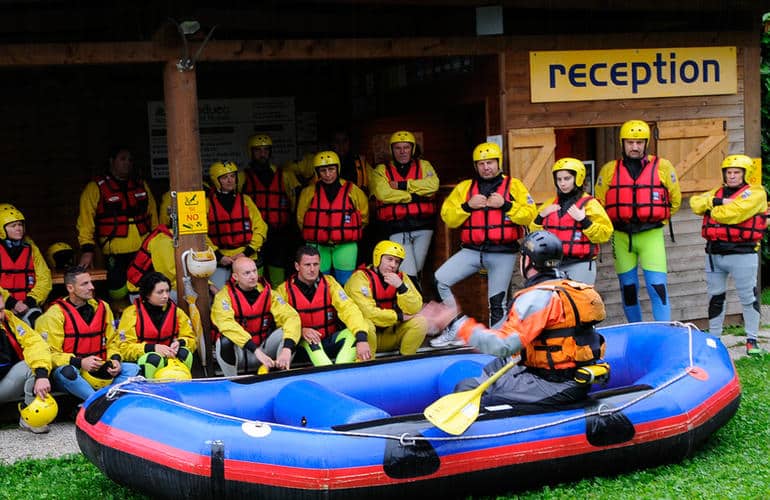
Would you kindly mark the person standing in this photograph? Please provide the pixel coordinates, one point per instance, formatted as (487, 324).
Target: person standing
(85, 349)
(274, 191)
(492, 211)
(405, 191)
(331, 215)
(353, 167)
(236, 228)
(577, 219)
(734, 222)
(640, 193)
(332, 324)
(117, 211)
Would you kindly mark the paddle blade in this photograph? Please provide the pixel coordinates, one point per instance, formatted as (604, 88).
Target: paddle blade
(455, 412)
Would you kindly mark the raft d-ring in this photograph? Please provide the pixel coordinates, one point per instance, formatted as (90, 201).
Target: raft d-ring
(256, 429)
(603, 410)
(406, 440)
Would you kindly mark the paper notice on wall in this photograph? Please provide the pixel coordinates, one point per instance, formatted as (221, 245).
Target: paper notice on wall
(225, 127)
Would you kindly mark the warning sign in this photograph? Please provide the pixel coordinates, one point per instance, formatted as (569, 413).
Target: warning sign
(191, 207)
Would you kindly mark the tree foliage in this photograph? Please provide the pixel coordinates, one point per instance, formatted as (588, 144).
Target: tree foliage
(764, 71)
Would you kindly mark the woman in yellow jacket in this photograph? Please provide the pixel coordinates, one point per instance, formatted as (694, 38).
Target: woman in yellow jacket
(154, 329)
(577, 219)
(332, 214)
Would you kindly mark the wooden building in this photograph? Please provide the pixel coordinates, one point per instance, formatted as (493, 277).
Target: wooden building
(78, 79)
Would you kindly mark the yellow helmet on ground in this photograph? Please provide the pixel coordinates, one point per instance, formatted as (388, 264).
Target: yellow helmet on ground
(174, 370)
(403, 136)
(636, 130)
(488, 151)
(260, 141)
(219, 169)
(60, 255)
(326, 159)
(387, 247)
(751, 174)
(573, 165)
(8, 214)
(39, 412)
(94, 380)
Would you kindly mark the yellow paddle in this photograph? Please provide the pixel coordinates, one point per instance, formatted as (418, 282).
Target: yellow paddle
(455, 412)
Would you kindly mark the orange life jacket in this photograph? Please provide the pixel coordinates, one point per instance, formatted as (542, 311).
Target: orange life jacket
(490, 225)
(382, 293)
(147, 331)
(229, 229)
(17, 276)
(318, 313)
(641, 200)
(80, 338)
(142, 262)
(575, 244)
(335, 221)
(748, 231)
(118, 209)
(255, 318)
(572, 341)
(272, 201)
(420, 207)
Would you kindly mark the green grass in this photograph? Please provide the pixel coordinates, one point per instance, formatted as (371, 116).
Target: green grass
(733, 464)
(765, 296)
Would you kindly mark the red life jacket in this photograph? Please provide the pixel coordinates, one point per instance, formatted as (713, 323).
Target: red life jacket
(318, 313)
(574, 242)
(142, 263)
(272, 201)
(420, 207)
(80, 338)
(147, 331)
(118, 209)
(641, 200)
(382, 293)
(749, 231)
(9, 333)
(335, 221)
(490, 225)
(229, 229)
(254, 318)
(17, 276)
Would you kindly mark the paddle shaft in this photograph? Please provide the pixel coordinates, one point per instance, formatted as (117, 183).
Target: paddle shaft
(493, 378)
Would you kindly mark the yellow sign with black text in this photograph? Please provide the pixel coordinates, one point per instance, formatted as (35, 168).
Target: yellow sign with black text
(598, 75)
(191, 210)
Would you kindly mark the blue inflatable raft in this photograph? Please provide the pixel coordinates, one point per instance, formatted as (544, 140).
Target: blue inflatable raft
(357, 431)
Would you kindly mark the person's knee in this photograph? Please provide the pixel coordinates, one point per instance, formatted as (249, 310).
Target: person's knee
(660, 291)
(496, 308)
(630, 295)
(227, 350)
(69, 372)
(716, 305)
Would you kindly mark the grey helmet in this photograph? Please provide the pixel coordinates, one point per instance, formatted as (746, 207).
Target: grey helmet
(544, 250)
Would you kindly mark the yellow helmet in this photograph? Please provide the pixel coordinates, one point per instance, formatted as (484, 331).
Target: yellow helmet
(573, 165)
(174, 370)
(94, 380)
(326, 159)
(403, 136)
(634, 129)
(59, 255)
(218, 169)
(259, 141)
(488, 151)
(387, 247)
(751, 173)
(8, 214)
(39, 412)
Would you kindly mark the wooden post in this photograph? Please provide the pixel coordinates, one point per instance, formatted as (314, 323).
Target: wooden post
(185, 174)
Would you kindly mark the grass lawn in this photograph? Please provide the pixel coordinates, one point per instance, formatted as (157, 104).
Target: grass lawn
(733, 464)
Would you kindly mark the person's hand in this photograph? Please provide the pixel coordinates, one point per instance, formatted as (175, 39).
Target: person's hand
(363, 351)
(175, 347)
(115, 368)
(726, 201)
(87, 260)
(312, 335)
(213, 290)
(42, 388)
(264, 358)
(392, 279)
(495, 200)
(477, 201)
(284, 359)
(20, 308)
(226, 261)
(91, 363)
(407, 317)
(576, 213)
(438, 315)
(393, 184)
(545, 212)
(165, 351)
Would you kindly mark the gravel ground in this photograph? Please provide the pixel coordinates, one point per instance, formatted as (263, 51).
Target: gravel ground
(19, 445)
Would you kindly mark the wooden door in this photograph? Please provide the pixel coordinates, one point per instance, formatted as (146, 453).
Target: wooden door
(530, 158)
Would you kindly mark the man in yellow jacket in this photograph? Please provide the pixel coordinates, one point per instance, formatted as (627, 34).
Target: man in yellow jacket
(492, 211)
(25, 363)
(389, 300)
(254, 325)
(332, 323)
